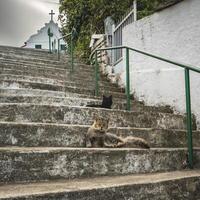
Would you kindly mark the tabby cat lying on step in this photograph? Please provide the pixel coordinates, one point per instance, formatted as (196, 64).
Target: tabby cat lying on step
(97, 136)
(106, 103)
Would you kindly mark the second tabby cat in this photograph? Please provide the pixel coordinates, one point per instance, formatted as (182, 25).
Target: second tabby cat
(97, 136)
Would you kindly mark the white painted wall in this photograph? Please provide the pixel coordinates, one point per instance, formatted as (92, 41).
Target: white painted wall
(172, 33)
(42, 37)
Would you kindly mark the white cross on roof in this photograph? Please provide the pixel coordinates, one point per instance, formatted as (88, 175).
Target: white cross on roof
(51, 13)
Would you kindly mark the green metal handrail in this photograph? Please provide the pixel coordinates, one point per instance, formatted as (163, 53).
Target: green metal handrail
(71, 49)
(187, 87)
(50, 34)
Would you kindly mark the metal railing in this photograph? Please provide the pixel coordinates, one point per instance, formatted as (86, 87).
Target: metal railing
(129, 17)
(71, 48)
(187, 69)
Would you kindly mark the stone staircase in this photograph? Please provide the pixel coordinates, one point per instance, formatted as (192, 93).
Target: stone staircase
(43, 121)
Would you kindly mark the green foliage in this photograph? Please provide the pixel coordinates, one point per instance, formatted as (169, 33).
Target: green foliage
(87, 17)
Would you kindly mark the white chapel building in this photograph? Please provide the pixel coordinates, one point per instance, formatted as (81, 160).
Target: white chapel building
(41, 39)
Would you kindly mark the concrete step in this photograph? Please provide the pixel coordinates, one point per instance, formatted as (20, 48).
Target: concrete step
(27, 51)
(176, 185)
(34, 73)
(40, 164)
(46, 69)
(77, 77)
(117, 103)
(10, 64)
(10, 60)
(51, 72)
(31, 54)
(36, 92)
(36, 53)
(13, 84)
(58, 96)
(84, 116)
(67, 135)
(68, 81)
(30, 59)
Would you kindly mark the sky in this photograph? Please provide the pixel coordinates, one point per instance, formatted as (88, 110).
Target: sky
(19, 19)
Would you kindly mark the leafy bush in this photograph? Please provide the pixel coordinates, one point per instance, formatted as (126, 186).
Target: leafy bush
(87, 17)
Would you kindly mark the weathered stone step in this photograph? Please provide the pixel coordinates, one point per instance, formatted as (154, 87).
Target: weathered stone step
(45, 94)
(43, 54)
(34, 66)
(11, 77)
(59, 64)
(176, 185)
(77, 78)
(27, 66)
(34, 73)
(48, 72)
(39, 164)
(13, 84)
(59, 95)
(31, 54)
(52, 87)
(57, 76)
(84, 116)
(27, 51)
(23, 50)
(30, 59)
(67, 135)
(67, 81)
(36, 92)
(31, 85)
(117, 104)
(72, 101)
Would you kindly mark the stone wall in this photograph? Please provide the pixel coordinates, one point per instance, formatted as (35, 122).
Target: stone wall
(172, 33)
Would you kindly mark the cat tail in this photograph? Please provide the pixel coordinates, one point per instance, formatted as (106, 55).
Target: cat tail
(109, 145)
(120, 144)
(143, 144)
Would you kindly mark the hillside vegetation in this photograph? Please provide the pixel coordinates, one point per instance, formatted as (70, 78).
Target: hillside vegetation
(87, 16)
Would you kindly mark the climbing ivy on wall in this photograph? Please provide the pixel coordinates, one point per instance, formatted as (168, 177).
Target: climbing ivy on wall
(87, 16)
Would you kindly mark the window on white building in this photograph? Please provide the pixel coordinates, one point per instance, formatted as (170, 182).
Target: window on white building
(38, 46)
(63, 47)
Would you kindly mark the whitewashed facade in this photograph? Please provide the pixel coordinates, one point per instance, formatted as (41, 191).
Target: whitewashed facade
(172, 33)
(40, 40)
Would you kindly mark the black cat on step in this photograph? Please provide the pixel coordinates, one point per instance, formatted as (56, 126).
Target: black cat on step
(106, 103)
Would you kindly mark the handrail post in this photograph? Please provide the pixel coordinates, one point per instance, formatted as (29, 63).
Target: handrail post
(58, 49)
(128, 80)
(49, 44)
(72, 54)
(96, 75)
(135, 10)
(189, 117)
